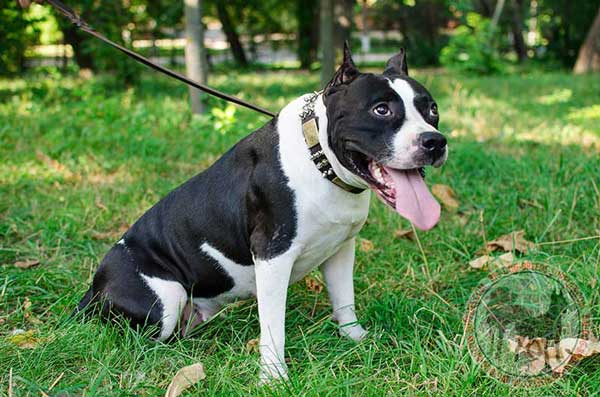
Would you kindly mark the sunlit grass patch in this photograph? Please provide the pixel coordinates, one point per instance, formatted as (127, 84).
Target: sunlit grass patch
(550, 110)
(558, 96)
(586, 113)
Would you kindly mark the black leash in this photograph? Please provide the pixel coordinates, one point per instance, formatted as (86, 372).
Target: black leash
(83, 25)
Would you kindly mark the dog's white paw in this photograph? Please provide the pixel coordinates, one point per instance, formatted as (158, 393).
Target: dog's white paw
(353, 331)
(270, 372)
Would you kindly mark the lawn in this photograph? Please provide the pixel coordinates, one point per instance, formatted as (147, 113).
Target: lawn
(82, 158)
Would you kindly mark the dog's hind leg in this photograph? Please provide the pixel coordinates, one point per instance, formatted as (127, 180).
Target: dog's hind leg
(338, 271)
(121, 289)
(172, 297)
(84, 302)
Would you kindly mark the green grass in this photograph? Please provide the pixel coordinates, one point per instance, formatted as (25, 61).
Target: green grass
(80, 158)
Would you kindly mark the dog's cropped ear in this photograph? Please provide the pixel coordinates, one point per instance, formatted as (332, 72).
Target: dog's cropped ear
(345, 73)
(397, 65)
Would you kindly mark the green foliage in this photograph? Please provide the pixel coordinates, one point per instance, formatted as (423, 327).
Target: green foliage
(424, 52)
(224, 119)
(420, 24)
(42, 20)
(16, 36)
(156, 15)
(472, 48)
(114, 20)
(563, 26)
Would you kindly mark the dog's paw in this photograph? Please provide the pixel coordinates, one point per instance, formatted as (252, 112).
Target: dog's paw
(353, 331)
(271, 372)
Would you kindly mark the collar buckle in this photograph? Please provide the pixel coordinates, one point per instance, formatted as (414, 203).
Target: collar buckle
(310, 130)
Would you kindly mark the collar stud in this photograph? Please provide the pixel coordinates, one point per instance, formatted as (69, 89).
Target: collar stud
(310, 130)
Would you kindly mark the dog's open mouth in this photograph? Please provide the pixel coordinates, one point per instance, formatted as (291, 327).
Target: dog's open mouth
(406, 192)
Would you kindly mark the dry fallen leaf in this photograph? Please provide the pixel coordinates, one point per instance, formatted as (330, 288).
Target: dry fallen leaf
(535, 366)
(314, 285)
(24, 339)
(513, 241)
(536, 352)
(558, 356)
(54, 165)
(100, 204)
(405, 233)
(26, 303)
(505, 260)
(569, 351)
(112, 234)
(592, 337)
(27, 264)
(579, 348)
(252, 346)
(534, 349)
(479, 263)
(501, 261)
(446, 196)
(32, 319)
(102, 235)
(531, 203)
(366, 245)
(28, 315)
(184, 378)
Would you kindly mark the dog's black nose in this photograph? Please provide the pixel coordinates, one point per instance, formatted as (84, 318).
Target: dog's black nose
(432, 141)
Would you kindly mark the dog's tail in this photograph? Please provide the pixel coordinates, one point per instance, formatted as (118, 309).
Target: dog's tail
(83, 304)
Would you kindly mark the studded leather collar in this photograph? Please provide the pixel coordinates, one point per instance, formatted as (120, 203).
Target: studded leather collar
(310, 129)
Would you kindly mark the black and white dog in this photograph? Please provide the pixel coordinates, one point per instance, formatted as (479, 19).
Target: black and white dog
(289, 197)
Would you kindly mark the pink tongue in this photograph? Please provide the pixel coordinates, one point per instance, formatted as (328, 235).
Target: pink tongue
(413, 199)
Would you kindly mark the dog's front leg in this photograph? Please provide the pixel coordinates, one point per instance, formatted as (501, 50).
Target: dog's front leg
(338, 271)
(272, 280)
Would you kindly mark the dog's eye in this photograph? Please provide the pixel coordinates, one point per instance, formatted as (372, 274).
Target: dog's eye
(382, 110)
(433, 110)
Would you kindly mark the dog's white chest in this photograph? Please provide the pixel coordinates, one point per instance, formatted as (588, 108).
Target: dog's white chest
(324, 226)
(326, 215)
(323, 241)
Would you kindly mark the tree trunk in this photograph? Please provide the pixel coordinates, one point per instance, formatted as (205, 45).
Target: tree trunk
(517, 31)
(365, 40)
(232, 36)
(486, 10)
(532, 23)
(64, 58)
(497, 13)
(305, 15)
(343, 13)
(195, 54)
(76, 40)
(588, 59)
(326, 40)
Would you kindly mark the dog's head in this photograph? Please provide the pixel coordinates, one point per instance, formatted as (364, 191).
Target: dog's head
(382, 128)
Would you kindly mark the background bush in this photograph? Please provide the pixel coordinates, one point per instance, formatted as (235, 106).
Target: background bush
(471, 48)
(16, 35)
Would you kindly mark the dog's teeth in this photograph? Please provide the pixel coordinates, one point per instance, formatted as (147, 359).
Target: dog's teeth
(377, 173)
